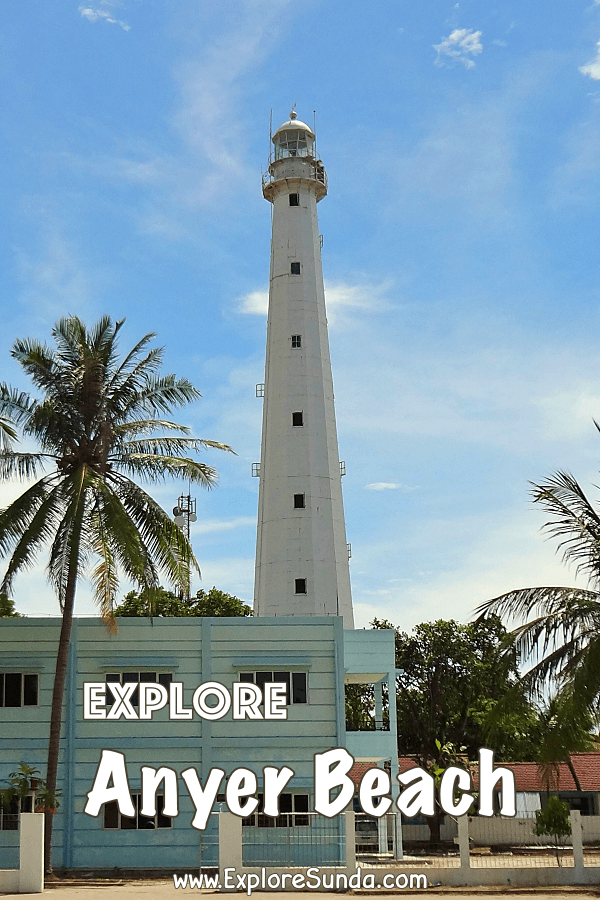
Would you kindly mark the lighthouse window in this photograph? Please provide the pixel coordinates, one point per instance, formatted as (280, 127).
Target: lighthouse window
(294, 199)
(296, 340)
(295, 268)
(297, 418)
(300, 585)
(299, 502)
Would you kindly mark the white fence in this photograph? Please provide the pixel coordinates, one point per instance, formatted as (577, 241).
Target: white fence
(29, 877)
(498, 831)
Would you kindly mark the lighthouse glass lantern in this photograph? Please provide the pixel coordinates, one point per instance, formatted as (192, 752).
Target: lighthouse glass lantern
(293, 141)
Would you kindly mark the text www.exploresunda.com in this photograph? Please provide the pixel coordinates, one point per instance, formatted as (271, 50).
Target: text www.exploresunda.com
(313, 879)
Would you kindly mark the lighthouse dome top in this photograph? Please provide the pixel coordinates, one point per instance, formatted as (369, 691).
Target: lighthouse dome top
(293, 138)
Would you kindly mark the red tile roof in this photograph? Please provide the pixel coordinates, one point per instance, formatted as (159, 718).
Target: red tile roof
(527, 774)
(586, 765)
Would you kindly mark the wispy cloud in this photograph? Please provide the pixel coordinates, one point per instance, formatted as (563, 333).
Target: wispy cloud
(576, 180)
(55, 279)
(101, 15)
(467, 156)
(389, 486)
(211, 119)
(592, 69)
(460, 46)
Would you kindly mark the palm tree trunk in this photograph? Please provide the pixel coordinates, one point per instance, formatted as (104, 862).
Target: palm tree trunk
(573, 772)
(62, 659)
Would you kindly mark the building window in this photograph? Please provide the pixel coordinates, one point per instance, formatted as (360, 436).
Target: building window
(300, 585)
(293, 811)
(295, 682)
(294, 199)
(297, 418)
(9, 812)
(296, 340)
(256, 470)
(295, 268)
(260, 390)
(299, 501)
(18, 689)
(114, 819)
(164, 678)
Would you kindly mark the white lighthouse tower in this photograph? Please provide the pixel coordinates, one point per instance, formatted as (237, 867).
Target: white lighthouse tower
(301, 550)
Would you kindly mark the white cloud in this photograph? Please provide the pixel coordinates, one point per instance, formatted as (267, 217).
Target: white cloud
(593, 67)
(208, 526)
(339, 296)
(389, 486)
(460, 45)
(255, 303)
(95, 15)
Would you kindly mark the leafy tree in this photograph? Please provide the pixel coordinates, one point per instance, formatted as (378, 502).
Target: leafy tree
(161, 602)
(360, 707)
(559, 630)
(453, 677)
(7, 607)
(98, 422)
(553, 820)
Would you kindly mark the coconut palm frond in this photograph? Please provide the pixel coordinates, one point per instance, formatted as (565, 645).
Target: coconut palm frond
(168, 446)
(152, 468)
(558, 640)
(575, 522)
(544, 601)
(28, 524)
(164, 539)
(8, 434)
(20, 465)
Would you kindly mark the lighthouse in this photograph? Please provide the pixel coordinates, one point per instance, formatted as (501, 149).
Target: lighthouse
(302, 556)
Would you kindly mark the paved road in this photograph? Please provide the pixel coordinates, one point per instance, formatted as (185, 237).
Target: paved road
(164, 890)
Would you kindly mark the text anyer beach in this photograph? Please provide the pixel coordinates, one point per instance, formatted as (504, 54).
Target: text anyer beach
(333, 788)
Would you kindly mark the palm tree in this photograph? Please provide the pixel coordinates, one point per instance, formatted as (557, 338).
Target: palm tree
(96, 424)
(559, 634)
(7, 434)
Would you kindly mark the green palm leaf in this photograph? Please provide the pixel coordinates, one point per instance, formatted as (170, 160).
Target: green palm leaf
(558, 635)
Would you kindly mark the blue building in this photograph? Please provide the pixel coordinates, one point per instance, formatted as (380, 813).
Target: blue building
(313, 654)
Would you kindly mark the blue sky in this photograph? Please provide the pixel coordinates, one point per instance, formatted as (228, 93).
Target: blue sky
(462, 146)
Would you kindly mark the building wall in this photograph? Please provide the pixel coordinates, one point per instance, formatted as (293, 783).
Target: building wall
(195, 651)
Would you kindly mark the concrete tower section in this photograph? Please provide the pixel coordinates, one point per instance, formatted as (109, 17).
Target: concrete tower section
(301, 552)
